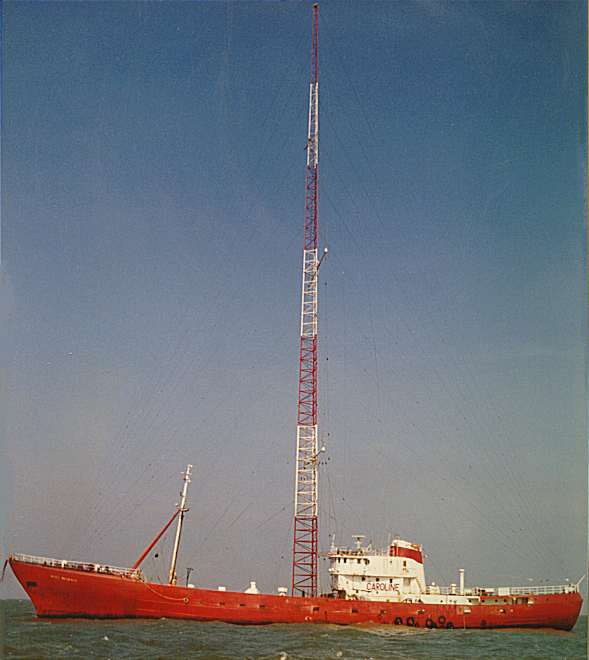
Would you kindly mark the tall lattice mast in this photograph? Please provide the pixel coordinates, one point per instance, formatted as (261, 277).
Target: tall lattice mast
(305, 546)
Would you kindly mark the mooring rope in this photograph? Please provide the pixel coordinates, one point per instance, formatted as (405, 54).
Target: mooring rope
(184, 599)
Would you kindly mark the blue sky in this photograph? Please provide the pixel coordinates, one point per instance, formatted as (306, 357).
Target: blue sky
(152, 209)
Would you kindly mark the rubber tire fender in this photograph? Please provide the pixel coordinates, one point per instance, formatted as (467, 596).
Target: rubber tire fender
(410, 621)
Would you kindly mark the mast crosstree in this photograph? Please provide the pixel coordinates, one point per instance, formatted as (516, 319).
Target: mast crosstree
(305, 545)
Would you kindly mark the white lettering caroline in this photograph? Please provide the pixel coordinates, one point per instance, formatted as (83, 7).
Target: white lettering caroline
(381, 586)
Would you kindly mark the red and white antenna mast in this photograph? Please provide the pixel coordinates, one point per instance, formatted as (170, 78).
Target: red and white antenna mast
(305, 546)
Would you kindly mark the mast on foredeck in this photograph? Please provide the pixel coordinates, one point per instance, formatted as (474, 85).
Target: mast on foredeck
(305, 545)
(181, 511)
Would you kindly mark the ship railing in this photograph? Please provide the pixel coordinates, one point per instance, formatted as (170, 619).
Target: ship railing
(79, 566)
(541, 590)
(357, 552)
(506, 591)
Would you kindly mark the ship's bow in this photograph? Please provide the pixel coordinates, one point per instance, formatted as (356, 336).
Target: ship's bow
(71, 589)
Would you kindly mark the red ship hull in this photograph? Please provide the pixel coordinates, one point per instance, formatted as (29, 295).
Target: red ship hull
(57, 592)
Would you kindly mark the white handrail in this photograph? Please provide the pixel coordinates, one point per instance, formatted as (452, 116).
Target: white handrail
(77, 565)
(508, 591)
(544, 589)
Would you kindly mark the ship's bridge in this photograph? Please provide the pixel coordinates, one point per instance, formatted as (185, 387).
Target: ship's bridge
(392, 574)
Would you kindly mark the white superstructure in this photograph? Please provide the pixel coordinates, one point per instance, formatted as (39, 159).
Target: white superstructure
(395, 574)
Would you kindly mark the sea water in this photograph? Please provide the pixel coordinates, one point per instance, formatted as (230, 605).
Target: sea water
(25, 636)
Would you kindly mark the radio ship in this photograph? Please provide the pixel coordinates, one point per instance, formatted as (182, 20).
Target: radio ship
(368, 585)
